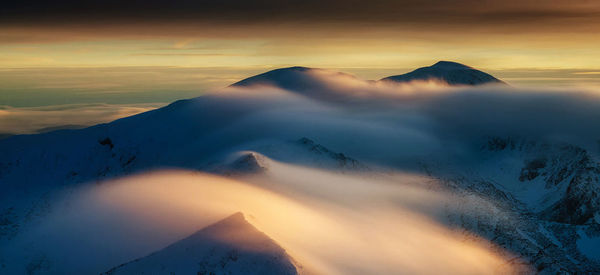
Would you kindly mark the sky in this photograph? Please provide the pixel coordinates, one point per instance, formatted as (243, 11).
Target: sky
(150, 52)
(329, 33)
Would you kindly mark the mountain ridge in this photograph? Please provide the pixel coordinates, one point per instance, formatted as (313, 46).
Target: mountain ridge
(300, 78)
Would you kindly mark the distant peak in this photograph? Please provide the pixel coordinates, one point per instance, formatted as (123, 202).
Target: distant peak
(294, 68)
(449, 65)
(286, 78)
(452, 73)
(297, 68)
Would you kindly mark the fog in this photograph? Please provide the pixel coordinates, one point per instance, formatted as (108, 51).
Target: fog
(31, 120)
(398, 124)
(388, 219)
(328, 222)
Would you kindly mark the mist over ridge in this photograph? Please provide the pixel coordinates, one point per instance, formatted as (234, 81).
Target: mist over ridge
(355, 165)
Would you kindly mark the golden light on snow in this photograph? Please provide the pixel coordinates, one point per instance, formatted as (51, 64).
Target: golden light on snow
(361, 230)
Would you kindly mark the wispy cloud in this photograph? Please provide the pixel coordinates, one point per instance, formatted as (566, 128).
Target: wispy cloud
(184, 54)
(587, 73)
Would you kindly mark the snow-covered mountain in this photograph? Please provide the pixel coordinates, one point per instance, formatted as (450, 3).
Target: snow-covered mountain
(550, 190)
(535, 199)
(230, 246)
(292, 78)
(448, 72)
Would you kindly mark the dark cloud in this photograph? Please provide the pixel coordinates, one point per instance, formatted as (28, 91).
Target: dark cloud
(360, 13)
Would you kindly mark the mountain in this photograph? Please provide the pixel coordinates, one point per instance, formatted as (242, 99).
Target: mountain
(449, 72)
(293, 78)
(303, 80)
(243, 163)
(537, 199)
(314, 82)
(311, 82)
(548, 192)
(556, 181)
(303, 151)
(230, 246)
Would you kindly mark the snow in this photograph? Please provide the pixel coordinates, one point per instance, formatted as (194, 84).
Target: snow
(589, 245)
(230, 246)
(305, 118)
(449, 72)
(549, 235)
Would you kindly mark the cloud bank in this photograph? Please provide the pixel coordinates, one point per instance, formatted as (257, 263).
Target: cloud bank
(354, 225)
(426, 116)
(44, 119)
(335, 223)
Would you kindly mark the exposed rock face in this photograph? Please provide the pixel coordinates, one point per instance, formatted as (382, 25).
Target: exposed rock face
(449, 72)
(567, 170)
(250, 162)
(541, 201)
(246, 162)
(230, 246)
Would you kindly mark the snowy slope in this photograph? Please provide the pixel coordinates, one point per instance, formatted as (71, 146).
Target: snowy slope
(550, 191)
(230, 246)
(544, 194)
(554, 180)
(449, 72)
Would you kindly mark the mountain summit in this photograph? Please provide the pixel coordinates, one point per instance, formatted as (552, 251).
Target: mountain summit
(450, 72)
(309, 80)
(312, 82)
(291, 78)
(230, 246)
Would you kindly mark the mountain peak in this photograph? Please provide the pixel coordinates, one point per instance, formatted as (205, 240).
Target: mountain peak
(235, 217)
(449, 65)
(294, 68)
(452, 73)
(293, 78)
(229, 246)
(245, 162)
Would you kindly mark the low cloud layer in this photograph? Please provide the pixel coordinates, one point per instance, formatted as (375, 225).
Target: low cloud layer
(332, 222)
(431, 114)
(354, 225)
(44, 119)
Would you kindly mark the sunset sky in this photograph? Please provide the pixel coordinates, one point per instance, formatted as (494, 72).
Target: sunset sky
(297, 137)
(186, 47)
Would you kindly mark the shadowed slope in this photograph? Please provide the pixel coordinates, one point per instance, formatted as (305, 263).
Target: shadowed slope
(230, 246)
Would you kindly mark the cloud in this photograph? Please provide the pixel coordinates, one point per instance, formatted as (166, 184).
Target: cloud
(533, 114)
(383, 124)
(586, 73)
(184, 54)
(29, 120)
(422, 117)
(353, 225)
(38, 21)
(333, 222)
(237, 11)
